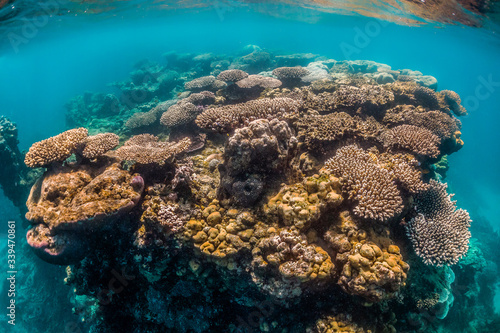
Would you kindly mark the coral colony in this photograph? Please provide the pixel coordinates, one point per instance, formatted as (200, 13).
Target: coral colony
(304, 187)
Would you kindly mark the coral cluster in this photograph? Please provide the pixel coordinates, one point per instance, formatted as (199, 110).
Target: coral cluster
(368, 185)
(287, 197)
(440, 232)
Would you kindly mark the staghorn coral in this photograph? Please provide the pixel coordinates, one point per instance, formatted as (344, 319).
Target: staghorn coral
(368, 186)
(225, 118)
(55, 149)
(406, 174)
(253, 220)
(417, 140)
(232, 75)
(97, 145)
(440, 232)
(146, 149)
(168, 217)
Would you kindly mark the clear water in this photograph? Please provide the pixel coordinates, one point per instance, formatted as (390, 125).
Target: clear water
(74, 51)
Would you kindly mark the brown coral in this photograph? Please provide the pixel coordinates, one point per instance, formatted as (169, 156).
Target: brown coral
(258, 81)
(290, 73)
(97, 145)
(205, 83)
(69, 198)
(232, 75)
(368, 186)
(146, 149)
(225, 118)
(416, 139)
(180, 114)
(55, 149)
(440, 232)
(318, 132)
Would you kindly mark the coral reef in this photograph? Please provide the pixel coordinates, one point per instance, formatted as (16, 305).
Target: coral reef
(302, 203)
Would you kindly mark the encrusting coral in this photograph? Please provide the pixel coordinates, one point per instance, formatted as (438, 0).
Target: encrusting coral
(294, 192)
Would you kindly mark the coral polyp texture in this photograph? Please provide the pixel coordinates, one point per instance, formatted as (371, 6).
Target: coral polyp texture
(310, 198)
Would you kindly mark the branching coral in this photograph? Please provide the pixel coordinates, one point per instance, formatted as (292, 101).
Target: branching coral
(417, 140)
(97, 145)
(55, 149)
(232, 75)
(440, 232)
(368, 186)
(225, 118)
(319, 131)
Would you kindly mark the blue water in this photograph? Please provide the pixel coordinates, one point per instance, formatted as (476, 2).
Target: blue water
(64, 59)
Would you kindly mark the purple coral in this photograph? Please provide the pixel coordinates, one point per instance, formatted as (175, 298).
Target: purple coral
(61, 249)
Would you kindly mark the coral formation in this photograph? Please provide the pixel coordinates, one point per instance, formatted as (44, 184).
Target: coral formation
(417, 140)
(440, 232)
(146, 149)
(288, 197)
(229, 117)
(55, 149)
(367, 184)
(97, 145)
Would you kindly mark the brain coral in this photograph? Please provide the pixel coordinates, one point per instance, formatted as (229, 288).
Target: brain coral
(368, 186)
(55, 149)
(416, 139)
(146, 149)
(440, 232)
(225, 118)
